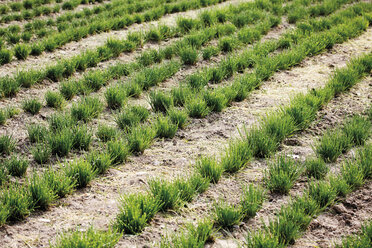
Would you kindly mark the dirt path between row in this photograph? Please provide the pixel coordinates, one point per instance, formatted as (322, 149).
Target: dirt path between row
(92, 42)
(97, 204)
(17, 125)
(341, 220)
(54, 16)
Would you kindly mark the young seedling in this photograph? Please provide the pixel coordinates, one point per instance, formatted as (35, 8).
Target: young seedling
(106, 133)
(37, 133)
(80, 171)
(165, 193)
(209, 168)
(252, 200)
(282, 174)
(226, 215)
(54, 100)
(136, 210)
(118, 150)
(100, 162)
(7, 144)
(32, 106)
(40, 192)
(140, 137)
(316, 168)
(165, 128)
(131, 116)
(17, 166)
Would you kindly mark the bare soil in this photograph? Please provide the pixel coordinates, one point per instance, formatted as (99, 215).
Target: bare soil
(168, 158)
(74, 48)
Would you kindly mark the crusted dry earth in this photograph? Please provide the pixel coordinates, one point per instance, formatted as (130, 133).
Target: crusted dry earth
(54, 16)
(17, 126)
(74, 48)
(343, 219)
(168, 158)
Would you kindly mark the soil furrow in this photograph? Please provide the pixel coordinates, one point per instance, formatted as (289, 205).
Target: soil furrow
(74, 48)
(97, 204)
(343, 219)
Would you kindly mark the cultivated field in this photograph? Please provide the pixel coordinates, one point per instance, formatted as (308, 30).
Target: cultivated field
(186, 123)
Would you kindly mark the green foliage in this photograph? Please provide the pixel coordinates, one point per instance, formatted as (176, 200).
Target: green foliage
(189, 55)
(17, 200)
(37, 133)
(54, 100)
(40, 192)
(178, 117)
(5, 56)
(140, 137)
(106, 133)
(61, 142)
(80, 171)
(58, 182)
(115, 97)
(192, 236)
(87, 109)
(361, 240)
(7, 144)
(90, 238)
(322, 192)
(353, 174)
(99, 161)
(364, 160)
(332, 144)
(282, 174)
(236, 157)
(136, 210)
(316, 168)
(81, 137)
(197, 107)
(227, 44)
(165, 127)
(29, 78)
(68, 89)
(59, 121)
(17, 166)
(358, 129)
(21, 51)
(252, 200)
(261, 143)
(209, 168)
(226, 215)
(199, 182)
(131, 116)
(209, 52)
(160, 101)
(32, 106)
(118, 150)
(165, 193)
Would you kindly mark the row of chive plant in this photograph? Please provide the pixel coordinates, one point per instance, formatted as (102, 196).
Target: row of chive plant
(46, 28)
(167, 193)
(363, 239)
(21, 51)
(128, 118)
(241, 151)
(278, 178)
(117, 94)
(293, 219)
(89, 108)
(50, 43)
(64, 69)
(12, 7)
(94, 80)
(82, 171)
